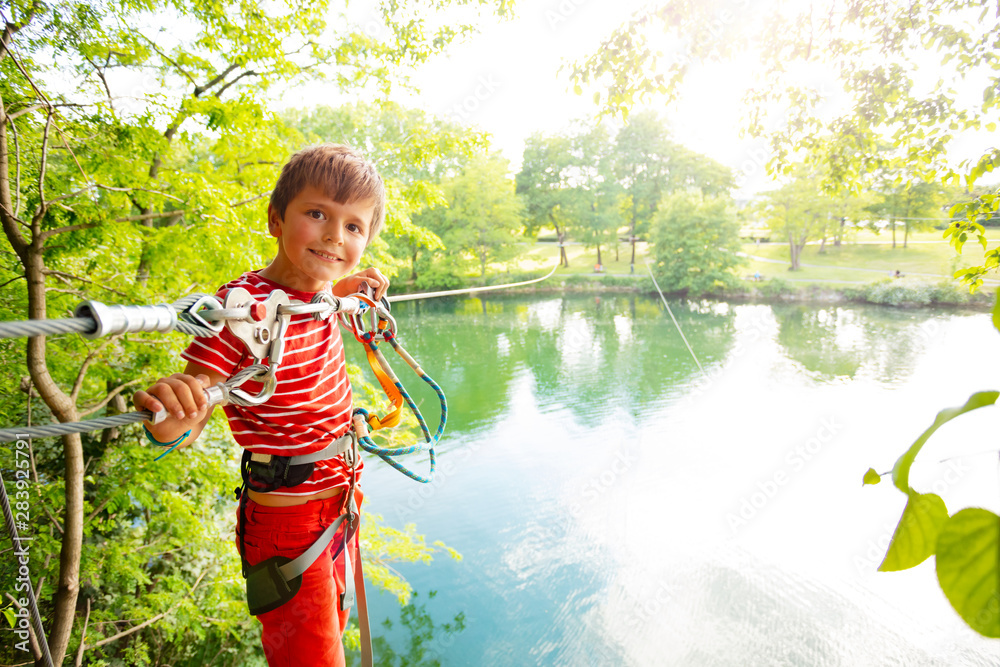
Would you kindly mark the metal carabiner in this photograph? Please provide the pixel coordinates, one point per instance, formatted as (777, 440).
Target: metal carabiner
(268, 379)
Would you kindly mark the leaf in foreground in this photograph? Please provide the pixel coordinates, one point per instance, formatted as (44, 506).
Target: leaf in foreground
(968, 565)
(917, 532)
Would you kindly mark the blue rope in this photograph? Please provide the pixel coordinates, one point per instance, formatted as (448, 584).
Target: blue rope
(172, 444)
(388, 454)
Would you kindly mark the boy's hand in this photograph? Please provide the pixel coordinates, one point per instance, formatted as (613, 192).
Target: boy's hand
(350, 284)
(182, 395)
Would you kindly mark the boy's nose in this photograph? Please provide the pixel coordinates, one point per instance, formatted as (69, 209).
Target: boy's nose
(334, 234)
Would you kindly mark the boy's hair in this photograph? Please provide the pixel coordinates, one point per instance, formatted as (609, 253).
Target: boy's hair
(339, 171)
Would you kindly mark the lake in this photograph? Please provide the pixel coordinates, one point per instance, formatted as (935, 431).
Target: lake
(616, 505)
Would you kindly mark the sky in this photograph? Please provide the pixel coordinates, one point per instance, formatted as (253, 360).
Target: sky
(506, 80)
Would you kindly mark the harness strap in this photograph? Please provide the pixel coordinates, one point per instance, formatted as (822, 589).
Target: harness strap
(363, 626)
(298, 566)
(334, 449)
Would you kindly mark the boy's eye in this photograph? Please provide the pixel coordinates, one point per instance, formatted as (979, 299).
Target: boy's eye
(353, 227)
(315, 214)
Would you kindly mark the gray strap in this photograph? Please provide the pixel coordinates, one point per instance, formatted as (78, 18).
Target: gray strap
(348, 600)
(296, 567)
(366, 633)
(335, 448)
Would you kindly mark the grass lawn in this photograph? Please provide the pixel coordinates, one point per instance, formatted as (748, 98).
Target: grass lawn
(867, 257)
(863, 262)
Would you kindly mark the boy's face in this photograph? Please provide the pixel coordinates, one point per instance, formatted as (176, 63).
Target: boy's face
(319, 240)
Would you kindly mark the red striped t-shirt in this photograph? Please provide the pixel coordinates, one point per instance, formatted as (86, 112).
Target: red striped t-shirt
(312, 403)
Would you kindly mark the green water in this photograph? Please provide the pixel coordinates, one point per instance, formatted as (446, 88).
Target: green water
(615, 504)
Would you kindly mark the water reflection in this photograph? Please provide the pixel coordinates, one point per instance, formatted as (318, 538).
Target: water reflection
(414, 640)
(589, 469)
(839, 342)
(580, 352)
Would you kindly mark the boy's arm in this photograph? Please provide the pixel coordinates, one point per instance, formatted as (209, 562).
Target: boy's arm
(183, 396)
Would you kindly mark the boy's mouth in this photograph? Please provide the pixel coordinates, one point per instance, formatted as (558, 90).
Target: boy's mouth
(323, 255)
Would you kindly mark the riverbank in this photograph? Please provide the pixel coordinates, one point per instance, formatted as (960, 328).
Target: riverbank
(905, 292)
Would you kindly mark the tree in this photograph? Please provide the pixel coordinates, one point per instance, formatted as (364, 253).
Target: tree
(839, 79)
(649, 165)
(696, 243)
(143, 195)
(595, 195)
(484, 214)
(544, 185)
(916, 205)
(798, 211)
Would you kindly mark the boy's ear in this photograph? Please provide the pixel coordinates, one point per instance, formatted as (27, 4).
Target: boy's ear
(273, 222)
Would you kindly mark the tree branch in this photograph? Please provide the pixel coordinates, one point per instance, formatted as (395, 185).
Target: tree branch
(43, 206)
(249, 72)
(130, 190)
(86, 364)
(8, 216)
(198, 90)
(66, 277)
(150, 621)
(35, 647)
(170, 60)
(117, 390)
(152, 216)
(10, 281)
(247, 201)
(17, 168)
(83, 637)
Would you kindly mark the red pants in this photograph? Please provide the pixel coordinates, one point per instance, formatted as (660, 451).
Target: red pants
(306, 630)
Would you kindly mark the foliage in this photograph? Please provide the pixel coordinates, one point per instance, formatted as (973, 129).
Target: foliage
(136, 166)
(544, 184)
(696, 244)
(905, 292)
(836, 80)
(798, 211)
(483, 216)
(966, 544)
(775, 288)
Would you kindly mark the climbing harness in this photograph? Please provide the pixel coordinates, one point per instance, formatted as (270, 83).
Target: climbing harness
(261, 326)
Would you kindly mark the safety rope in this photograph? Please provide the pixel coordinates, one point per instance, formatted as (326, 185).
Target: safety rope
(221, 392)
(468, 290)
(671, 313)
(93, 319)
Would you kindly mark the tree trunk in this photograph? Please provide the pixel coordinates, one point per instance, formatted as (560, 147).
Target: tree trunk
(560, 237)
(599, 262)
(822, 245)
(64, 410)
(793, 252)
(413, 265)
(892, 223)
(62, 406)
(840, 232)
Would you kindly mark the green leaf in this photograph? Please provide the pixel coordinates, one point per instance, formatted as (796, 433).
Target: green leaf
(901, 471)
(968, 568)
(871, 477)
(996, 311)
(916, 534)
(8, 613)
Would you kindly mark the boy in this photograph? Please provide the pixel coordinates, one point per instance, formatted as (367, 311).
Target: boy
(327, 206)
